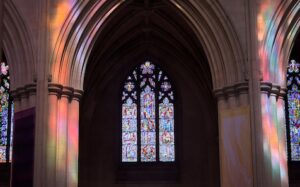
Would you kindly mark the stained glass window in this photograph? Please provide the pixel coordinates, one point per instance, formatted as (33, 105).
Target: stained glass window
(293, 103)
(148, 116)
(6, 110)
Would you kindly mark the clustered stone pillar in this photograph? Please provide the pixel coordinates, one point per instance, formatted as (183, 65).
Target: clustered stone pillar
(235, 136)
(273, 130)
(63, 136)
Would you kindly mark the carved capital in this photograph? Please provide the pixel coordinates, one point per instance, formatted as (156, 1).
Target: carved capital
(64, 91)
(24, 91)
(55, 89)
(78, 94)
(272, 89)
(232, 90)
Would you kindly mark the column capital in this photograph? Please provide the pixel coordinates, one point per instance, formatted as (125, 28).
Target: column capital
(55, 89)
(231, 90)
(24, 91)
(272, 89)
(65, 91)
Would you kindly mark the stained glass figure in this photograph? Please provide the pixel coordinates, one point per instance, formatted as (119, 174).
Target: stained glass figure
(293, 99)
(6, 116)
(147, 100)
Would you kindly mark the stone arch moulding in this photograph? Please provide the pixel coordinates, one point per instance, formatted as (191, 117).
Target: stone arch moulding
(87, 18)
(279, 40)
(17, 40)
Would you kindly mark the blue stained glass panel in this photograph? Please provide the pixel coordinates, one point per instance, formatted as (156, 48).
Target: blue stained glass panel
(167, 153)
(129, 153)
(293, 99)
(166, 124)
(129, 125)
(5, 138)
(148, 138)
(294, 120)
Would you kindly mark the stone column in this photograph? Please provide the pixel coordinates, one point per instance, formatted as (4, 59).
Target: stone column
(273, 136)
(63, 136)
(235, 136)
(73, 139)
(282, 136)
(51, 141)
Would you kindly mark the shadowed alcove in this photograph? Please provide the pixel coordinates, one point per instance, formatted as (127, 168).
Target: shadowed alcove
(153, 31)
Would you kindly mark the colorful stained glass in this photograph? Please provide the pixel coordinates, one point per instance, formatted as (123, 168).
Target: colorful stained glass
(129, 137)
(167, 153)
(166, 109)
(129, 125)
(148, 125)
(2, 154)
(142, 134)
(166, 131)
(129, 109)
(147, 103)
(5, 113)
(147, 68)
(148, 135)
(293, 99)
(148, 153)
(148, 138)
(129, 86)
(166, 86)
(129, 153)
(129, 131)
(166, 124)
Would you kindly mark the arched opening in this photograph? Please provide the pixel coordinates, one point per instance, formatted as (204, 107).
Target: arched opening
(137, 32)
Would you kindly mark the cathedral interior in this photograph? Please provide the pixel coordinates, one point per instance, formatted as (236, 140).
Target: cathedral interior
(149, 93)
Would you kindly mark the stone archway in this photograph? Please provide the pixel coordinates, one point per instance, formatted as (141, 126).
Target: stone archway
(71, 54)
(136, 33)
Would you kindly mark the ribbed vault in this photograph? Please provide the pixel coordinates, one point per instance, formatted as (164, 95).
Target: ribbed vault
(153, 31)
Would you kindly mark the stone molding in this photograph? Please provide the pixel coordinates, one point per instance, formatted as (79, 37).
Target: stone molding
(273, 89)
(233, 90)
(64, 91)
(24, 92)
